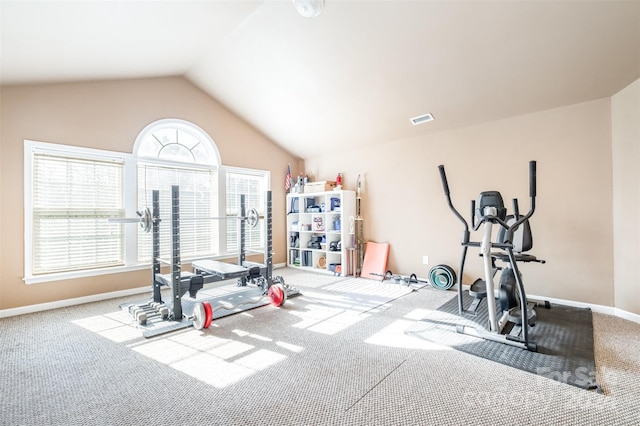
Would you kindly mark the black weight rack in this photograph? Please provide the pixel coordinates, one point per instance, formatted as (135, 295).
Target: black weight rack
(205, 271)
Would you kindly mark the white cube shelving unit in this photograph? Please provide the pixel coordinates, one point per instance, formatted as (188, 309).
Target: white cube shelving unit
(316, 222)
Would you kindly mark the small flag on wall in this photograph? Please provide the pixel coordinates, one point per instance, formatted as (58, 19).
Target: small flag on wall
(288, 178)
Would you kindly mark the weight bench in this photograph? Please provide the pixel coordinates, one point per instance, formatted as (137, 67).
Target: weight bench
(207, 271)
(204, 272)
(249, 271)
(188, 282)
(222, 270)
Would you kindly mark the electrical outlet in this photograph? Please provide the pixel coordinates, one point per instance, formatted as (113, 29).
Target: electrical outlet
(425, 259)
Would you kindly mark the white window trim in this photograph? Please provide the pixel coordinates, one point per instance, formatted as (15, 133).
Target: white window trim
(245, 171)
(222, 181)
(32, 147)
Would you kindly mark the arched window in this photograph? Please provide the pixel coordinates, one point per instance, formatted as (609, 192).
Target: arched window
(176, 152)
(176, 140)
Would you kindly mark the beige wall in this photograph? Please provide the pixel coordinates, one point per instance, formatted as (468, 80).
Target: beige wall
(108, 115)
(404, 203)
(625, 112)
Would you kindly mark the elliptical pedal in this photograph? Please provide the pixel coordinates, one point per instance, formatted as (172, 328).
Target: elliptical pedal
(478, 290)
(515, 316)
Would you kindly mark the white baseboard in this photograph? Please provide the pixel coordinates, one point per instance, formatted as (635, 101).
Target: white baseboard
(601, 309)
(627, 315)
(609, 310)
(71, 302)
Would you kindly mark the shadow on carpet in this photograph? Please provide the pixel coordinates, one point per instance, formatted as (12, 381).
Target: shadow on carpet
(564, 336)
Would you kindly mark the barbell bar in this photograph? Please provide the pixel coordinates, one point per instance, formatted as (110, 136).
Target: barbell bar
(145, 219)
(203, 311)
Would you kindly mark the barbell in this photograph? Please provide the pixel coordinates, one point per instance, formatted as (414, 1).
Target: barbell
(146, 219)
(203, 311)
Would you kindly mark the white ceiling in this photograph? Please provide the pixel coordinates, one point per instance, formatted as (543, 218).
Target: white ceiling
(351, 77)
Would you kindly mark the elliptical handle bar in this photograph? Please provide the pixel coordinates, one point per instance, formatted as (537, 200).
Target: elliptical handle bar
(443, 178)
(532, 195)
(532, 179)
(445, 186)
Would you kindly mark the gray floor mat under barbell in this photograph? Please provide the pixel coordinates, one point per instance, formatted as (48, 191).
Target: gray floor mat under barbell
(225, 300)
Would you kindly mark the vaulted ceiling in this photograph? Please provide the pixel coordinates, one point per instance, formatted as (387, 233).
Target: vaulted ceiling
(351, 77)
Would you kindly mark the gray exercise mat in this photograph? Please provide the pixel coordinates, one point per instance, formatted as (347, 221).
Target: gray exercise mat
(225, 300)
(564, 336)
(237, 299)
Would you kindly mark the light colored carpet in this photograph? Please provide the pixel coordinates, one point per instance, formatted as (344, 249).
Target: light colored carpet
(311, 362)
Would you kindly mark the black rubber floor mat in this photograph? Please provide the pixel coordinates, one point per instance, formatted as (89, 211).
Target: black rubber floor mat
(564, 336)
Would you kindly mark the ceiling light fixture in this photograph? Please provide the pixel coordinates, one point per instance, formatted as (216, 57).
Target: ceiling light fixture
(309, 8)
(425, 118)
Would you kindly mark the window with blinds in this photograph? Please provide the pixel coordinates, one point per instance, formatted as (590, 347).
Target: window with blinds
(253, 185)
(198, 203)
(72, 199)
(71, 193)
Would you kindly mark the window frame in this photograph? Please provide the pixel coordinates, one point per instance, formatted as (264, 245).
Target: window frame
(165, 210)
(177, 124)
(130, 199)
(30, 149)
(264, 174)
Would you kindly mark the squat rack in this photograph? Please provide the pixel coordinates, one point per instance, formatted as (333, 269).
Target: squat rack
(205, 271)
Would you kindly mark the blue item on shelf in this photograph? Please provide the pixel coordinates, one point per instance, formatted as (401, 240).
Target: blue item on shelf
(294, 205)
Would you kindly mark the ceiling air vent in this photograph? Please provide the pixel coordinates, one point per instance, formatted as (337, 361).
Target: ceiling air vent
(422, 119)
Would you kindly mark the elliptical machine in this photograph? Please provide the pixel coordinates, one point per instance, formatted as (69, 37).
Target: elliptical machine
(517, 314)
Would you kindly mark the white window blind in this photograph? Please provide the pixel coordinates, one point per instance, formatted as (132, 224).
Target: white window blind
(253, 186)
(72, 199)
(198, 202)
